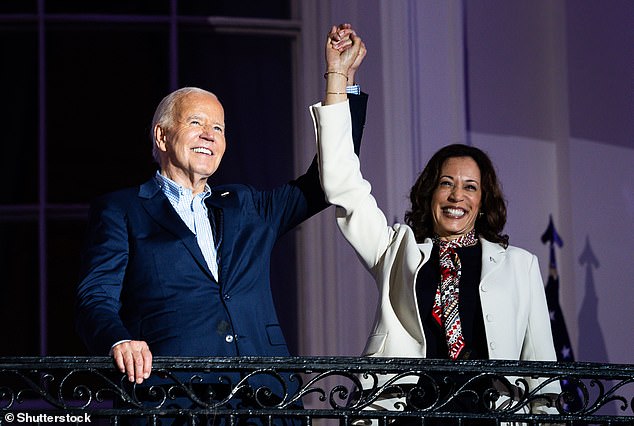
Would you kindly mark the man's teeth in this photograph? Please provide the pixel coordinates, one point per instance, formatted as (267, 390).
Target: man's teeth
(455, 212)
(202, 151)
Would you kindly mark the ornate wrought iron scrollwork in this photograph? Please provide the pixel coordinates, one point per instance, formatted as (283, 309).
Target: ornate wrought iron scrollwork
(323, 387)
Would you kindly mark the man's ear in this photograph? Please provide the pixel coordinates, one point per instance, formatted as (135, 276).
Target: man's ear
(160, 138)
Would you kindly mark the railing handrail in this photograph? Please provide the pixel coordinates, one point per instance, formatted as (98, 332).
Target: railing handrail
(322, 363)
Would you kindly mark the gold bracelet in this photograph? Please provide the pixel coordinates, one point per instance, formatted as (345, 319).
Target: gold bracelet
(335, 72)
(336, 93)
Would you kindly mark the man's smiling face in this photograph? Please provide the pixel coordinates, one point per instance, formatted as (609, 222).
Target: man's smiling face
(192, 146)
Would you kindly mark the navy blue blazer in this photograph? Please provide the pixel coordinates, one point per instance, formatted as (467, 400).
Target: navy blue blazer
(144, 277)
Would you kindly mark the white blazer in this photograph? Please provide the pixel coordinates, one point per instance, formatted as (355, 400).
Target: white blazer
(514, 309)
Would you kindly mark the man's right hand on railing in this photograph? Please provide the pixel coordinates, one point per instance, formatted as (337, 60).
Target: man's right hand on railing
(133, 357)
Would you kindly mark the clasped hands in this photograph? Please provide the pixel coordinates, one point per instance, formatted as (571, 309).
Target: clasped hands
(344, 52)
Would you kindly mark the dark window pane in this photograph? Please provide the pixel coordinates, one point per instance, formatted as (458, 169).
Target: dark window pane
(271, 9)
(19, 304)
(103, 85)
(258, 101)
(135, 7)
(20, 123)
(18, 6)
(65, 240)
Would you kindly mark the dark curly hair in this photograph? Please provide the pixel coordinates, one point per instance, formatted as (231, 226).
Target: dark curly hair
(489, 225)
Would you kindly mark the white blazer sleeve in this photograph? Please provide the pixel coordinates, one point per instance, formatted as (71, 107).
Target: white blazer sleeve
(360, 220)
(538, 341)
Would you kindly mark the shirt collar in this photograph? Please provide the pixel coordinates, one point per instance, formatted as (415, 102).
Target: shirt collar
(175, 191)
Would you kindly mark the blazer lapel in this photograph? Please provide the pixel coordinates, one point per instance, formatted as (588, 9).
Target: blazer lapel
(159, 208)
(492, 257)
(224, 210)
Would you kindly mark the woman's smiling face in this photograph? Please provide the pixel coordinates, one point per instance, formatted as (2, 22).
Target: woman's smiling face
(457, 198)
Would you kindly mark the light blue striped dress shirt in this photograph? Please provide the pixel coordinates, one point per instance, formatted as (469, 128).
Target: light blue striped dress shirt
(193, 211)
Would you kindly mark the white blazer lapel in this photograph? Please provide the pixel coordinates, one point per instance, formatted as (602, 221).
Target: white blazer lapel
(492, 257)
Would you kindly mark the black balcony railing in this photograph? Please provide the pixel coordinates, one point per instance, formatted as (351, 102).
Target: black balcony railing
(308, 389)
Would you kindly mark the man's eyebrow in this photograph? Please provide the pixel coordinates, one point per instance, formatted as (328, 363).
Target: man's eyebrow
(200, 116)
